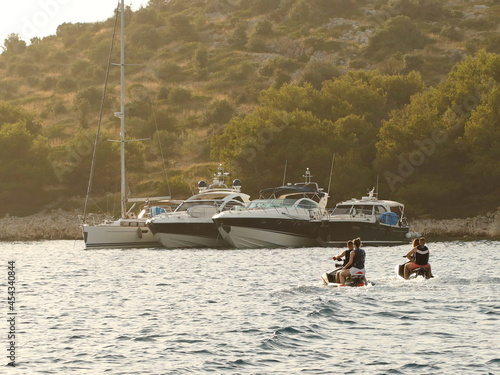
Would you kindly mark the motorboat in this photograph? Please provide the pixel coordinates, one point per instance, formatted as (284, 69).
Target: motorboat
(191, 225)
(377, 222)
(281, 217)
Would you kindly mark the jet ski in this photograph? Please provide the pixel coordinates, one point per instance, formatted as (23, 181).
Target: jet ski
(420, 271)
(328, 278)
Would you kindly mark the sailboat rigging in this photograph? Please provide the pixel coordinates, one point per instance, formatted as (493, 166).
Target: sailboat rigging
(128, 231)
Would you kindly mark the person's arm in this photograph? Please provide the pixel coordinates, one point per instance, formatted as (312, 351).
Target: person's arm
(410, 253)
(339, 256)
(351, 259)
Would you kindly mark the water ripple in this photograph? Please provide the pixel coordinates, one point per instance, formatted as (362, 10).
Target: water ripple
(257, 311)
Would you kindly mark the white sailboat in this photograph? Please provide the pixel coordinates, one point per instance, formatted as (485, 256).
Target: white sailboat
(129, 231)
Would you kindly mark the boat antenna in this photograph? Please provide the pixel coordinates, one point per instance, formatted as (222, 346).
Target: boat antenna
(284, 173)
(376, 191)
(99, 122)
(331, 174)
(307, 176)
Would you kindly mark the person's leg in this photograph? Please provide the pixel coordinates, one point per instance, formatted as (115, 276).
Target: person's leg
(428, 274)
(407, 270)
(343, 276)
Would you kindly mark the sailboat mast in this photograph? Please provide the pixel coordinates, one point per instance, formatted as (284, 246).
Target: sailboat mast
(123, 190)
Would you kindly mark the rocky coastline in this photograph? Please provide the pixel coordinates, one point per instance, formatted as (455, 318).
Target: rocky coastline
(64, 225)
(52, 225)
(478, 227)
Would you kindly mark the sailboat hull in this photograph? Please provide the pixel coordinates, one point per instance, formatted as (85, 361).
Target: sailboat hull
(117, 235)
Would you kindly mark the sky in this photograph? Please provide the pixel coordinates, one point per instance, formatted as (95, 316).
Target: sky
(39, 18)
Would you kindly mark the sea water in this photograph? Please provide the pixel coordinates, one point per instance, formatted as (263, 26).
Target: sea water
(262, 311)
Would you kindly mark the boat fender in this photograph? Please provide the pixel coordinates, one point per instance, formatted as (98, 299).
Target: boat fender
(139, 233)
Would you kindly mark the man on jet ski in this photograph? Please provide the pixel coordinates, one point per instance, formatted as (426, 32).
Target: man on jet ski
(356, 264)
(419, 257)
(346, 254)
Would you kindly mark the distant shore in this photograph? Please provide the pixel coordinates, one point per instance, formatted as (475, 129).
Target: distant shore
(64, 225)
(478, 227)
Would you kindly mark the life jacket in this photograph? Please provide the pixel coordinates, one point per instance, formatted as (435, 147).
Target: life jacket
(347, 256)
(422, 255)
(359, 258)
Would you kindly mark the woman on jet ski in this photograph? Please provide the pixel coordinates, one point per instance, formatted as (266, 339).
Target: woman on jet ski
(346, 254)
(356, 264)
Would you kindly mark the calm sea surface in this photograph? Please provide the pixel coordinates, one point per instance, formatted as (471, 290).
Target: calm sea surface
(248, 312)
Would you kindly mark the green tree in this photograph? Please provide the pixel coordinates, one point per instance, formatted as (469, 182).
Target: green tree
(219, 112)
(263, 28)
(25, 172)
(447, 137)
(481, 139)
(399, 34)
(255, 146)
(353, 94)
(316, 72)
(14, 45)
(239, 38)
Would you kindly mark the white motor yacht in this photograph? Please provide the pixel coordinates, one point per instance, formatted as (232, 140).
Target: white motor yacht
(281, 217)
(191, 225)
(377, 222)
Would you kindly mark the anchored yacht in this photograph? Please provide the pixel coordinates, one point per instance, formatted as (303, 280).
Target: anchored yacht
(377, 222)
(281, 217)
(191, 225)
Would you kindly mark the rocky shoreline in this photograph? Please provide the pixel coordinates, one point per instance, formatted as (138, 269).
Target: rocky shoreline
(63, 225)
(478, 227)
(53, 225)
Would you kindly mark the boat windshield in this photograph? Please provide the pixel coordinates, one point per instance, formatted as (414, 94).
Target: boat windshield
(281, 202)
(271, 203)
(358, 209)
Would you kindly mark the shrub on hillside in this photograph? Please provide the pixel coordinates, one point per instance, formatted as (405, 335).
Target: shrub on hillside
(179, 96)
(170, 72)
(399, 34)
(316, 72)
(429, 10)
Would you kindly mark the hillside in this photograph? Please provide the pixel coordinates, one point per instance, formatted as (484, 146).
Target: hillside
(201, 65)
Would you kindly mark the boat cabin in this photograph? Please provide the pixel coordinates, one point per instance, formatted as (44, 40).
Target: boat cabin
(386, 212)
